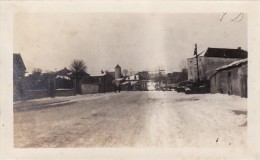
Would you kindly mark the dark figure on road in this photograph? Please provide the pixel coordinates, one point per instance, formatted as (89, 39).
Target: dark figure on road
(119, 88)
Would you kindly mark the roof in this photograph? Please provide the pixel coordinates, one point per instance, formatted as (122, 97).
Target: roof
(110, 71)
(233, 64)
(18, 61)
(119, 79)
(63, 77)
(226, 53)
(98, 75)
(63, 72)
(117, 66)
(135, 77)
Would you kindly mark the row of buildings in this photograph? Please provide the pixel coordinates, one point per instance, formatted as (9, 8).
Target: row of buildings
(224, 69)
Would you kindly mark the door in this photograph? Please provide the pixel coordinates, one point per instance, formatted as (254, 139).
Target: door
(229, 83)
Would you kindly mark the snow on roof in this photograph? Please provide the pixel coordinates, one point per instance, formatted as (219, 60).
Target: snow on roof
(126, 82)
(135, 77)
(63, 77)
(233, 64)
(97, 75)
(110, 70)
(133, 82)
(119, 79)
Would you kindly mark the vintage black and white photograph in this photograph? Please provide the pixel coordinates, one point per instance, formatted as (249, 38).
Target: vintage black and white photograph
(112, 80)
(129, 80)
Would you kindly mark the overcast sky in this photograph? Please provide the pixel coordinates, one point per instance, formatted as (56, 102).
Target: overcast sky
(138, 41)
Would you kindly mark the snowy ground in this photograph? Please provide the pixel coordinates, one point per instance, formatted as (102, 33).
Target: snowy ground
(132, 119)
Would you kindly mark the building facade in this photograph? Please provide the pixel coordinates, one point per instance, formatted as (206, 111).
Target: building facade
(177, 77)
(117, 72)
(230, 79)
(19, 70)
(213, 59)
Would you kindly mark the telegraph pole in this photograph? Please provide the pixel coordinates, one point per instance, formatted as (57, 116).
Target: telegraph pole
(195, 53)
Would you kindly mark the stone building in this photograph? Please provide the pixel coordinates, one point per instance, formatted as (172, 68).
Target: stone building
(117, 72)
(230, 79)
(19, 70)
(213, 59)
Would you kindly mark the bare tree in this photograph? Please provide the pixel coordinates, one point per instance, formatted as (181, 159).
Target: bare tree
(182, 64)
(78, 67)
(125, 72)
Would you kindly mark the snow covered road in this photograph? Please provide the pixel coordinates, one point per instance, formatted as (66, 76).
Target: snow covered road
(132, 119)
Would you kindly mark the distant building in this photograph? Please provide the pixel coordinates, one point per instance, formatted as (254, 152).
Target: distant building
(144, 75)
(162, 72)
(230, 79)
(19, 70)
(63, 79)
(131, 83)
(103, 80)
(212, 59)
(117, 72)
(177, 77)
(111, 73)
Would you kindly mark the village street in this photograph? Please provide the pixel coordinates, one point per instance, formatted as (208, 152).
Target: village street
(132, 119)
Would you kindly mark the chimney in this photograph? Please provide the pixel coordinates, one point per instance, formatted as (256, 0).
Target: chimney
(239, 48)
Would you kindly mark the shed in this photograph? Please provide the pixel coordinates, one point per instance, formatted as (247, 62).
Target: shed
(230, 79)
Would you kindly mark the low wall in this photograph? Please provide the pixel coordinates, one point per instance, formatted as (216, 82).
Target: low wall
(89, 88)
(34, 94)
(64, 92)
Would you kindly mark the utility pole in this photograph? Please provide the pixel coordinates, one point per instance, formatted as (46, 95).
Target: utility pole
(195, 53)
(104, 83)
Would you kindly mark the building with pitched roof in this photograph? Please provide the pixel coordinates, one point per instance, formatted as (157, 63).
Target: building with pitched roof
(211, 60)
(230, 79)
(19, 70)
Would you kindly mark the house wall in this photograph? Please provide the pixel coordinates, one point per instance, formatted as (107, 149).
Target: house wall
(117, 73)
(89, 88)
(143, 85)
(231, 81)
(207, 66)
(18, 82)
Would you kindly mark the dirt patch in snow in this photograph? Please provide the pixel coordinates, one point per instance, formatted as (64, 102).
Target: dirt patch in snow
(187, 99)
(152, 100)
(238, 112)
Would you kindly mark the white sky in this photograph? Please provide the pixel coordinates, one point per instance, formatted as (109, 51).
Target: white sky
(137, 41)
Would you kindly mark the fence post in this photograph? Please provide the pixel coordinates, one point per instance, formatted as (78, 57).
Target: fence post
(53, 86)
(75, 86)
(49, 86)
